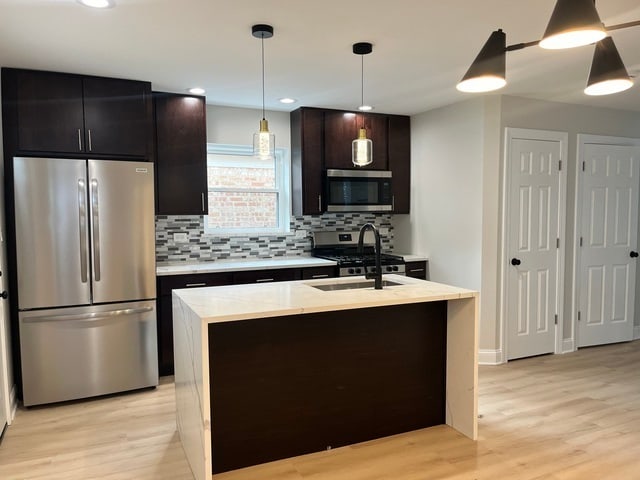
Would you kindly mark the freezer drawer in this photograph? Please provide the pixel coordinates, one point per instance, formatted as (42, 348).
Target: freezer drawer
(73, 353)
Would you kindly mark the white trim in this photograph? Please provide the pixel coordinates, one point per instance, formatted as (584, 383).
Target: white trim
(13, 404)
(490, 357)
(530, 134)
(636, 332)
(582, 140)
(568, 346)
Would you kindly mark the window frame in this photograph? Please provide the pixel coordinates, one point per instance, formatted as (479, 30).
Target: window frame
(282, 163)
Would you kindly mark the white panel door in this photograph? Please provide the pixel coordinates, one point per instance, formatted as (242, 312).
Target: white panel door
(609, 244)
(532, 275)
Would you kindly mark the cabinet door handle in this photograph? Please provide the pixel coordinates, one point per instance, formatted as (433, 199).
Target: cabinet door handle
(262, 280)
(79, 140)
(202, 201)
(90, 140)
(320, 203)
(196, 285)
(323, 275)
(393, 203)
(416, 270)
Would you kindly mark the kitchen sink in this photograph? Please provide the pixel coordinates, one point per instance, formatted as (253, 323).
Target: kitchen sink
(353, 285)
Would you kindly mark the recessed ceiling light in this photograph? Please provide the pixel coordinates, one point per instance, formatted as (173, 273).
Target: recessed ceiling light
(98, 3)
(197, 90)
(288, 100)
(365, 108)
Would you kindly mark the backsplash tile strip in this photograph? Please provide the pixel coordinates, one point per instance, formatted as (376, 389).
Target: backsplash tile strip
(207, 248)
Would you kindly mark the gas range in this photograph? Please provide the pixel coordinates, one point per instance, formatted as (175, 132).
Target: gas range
(342, 247)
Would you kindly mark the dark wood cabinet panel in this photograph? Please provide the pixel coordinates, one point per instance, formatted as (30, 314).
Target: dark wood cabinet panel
(307, 162)
(49, 112)
(181, 154)
(341, 128)
(416, 270)
(287, 386)
(117, 116)
(400, 161)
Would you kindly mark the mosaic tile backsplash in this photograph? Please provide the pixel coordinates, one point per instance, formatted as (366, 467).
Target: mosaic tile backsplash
(203, 247)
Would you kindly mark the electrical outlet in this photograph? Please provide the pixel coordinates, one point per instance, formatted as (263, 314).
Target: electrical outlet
(180, 237)
(301, 234)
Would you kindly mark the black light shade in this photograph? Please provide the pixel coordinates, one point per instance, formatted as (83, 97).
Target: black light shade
(608, 73)
(487, 72)
(573, 23)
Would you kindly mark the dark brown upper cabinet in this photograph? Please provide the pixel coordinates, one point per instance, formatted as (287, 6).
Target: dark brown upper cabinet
(321, 139)
(307, 164)
(60, 113)
(181, 154)
(341, 128)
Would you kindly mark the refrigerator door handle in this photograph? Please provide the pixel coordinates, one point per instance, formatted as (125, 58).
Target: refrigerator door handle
(91, 317)
(82, 211)
(96, 229)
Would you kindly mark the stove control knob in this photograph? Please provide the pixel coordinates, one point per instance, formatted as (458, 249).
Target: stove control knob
(358, 270)
(389, 269)
(395, 268)
(351, 271)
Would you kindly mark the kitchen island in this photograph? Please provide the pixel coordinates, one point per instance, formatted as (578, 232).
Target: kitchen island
(268, 371)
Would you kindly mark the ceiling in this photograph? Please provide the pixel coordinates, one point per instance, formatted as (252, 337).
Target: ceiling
(421, 48)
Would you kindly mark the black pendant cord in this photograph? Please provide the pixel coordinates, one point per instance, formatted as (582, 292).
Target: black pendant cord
(361, 80)
(262, 44)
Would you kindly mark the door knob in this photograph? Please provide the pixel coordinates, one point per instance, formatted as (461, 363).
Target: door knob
(515, 261)
(633, 254)
(4, 294)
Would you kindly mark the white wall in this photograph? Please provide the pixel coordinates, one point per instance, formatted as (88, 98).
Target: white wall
(445, 222)
(236, 126)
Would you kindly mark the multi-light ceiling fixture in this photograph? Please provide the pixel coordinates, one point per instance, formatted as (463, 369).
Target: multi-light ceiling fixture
(573, 23)
(264, 142)
(362, 147)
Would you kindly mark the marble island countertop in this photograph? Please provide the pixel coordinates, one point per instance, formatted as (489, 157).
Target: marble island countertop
(236, 265)
(251, 301)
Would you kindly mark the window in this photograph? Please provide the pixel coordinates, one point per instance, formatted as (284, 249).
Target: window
(247, 196)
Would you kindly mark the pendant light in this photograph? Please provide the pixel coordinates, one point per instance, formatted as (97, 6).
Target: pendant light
(608, 73)
(264, 142)
(573, 23)
(487, 72)
(362, 147)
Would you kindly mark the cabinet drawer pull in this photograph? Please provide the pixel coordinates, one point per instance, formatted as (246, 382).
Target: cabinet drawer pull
(323, 275)
(416, 270)
(261, 280)
(79, 140)
(196, 285)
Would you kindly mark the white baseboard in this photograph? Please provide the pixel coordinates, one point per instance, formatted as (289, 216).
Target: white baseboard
(568, 345)
(490, 357)
(13, 404)
(636, 332)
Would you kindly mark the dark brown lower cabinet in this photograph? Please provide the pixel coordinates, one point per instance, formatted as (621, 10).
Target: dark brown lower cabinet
(417, 270)
(165, 315)
(292, 385)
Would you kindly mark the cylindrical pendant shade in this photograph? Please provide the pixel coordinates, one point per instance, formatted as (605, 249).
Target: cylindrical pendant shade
(608, 74)
(362, 150)
(573, 23)
(487, 72)
(264, 142)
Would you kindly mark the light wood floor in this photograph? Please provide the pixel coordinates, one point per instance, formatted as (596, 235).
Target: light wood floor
(557, 417)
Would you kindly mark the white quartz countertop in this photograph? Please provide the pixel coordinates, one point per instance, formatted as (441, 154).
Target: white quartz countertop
(411, 257)
(253, 301)
(181, 268)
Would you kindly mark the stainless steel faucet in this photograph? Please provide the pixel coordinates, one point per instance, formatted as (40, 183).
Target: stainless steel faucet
(377, 273)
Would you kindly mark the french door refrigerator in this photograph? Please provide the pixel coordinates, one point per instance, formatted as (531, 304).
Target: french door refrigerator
(85, 254)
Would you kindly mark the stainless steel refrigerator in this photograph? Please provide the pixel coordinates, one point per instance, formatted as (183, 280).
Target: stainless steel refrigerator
(85, 252)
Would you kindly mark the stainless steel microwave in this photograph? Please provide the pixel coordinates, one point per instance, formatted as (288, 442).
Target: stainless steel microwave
(358, 191)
